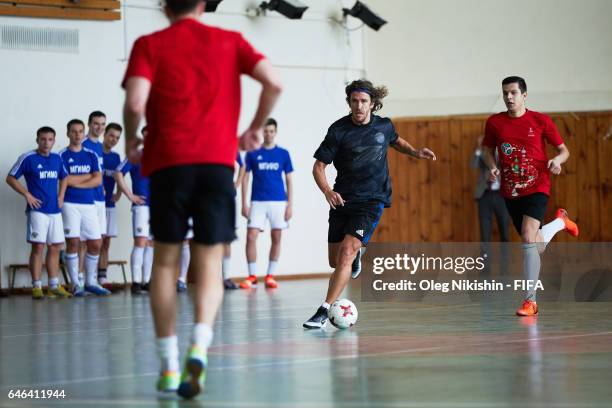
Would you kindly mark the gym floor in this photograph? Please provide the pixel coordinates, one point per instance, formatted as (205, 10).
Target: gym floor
(101, 352)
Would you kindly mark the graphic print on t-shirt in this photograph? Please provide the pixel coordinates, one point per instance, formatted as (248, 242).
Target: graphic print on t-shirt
(519, 172)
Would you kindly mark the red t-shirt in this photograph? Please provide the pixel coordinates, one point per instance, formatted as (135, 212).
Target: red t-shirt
(194, 104)
(521, 145)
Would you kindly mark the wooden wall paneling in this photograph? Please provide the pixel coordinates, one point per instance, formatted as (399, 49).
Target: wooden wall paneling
(604, 169)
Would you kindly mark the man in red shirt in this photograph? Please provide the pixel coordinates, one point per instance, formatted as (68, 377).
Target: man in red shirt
(186, 80)
(520, 136)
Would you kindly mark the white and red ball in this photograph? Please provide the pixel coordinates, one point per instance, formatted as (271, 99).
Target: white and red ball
(343, 314)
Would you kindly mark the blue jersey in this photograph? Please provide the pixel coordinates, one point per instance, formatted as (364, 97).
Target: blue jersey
(111, 161)
(98, 149)
(78, 163)
(268, 166)
(41, 174)
(140, 183)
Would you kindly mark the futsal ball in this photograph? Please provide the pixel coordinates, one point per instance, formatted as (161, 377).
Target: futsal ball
(343, 314)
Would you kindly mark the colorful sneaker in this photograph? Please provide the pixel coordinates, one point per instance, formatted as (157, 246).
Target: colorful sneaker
(318, 320)
(356, 266)
(270, 282)
(77, 291)
(570, 226)
(181, 287)
(168, 381)
(528, 308)
(97, 290)
(37, 293)
(58, 291)
(249, 282)
(194, 373)
(229, 284)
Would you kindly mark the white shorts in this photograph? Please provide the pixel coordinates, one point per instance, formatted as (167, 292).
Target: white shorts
(81, 221)
(45, 228)
(101, 215)
(140, 221)
(190, 230)
(111, 222)
(274, 211)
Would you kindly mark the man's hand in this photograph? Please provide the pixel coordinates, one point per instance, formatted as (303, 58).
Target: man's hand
(251, 139)
(60, 202)
(138, 200)
(246, 211)
(425, 153)
(334, 199)
(554, 166)
(493, 174)
(33, 202)
(116, 196)
(288, 212)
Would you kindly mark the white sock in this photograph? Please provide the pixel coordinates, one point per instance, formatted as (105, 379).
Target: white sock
(252, 268)
(147, 266)
(72, 264)
(81, 279)
(202, 335)
(168, 352)
(185, 258)
(36, 284)
(549, 230)
(225, 264)
(325, 305)
(53, 282)
(136, 263)
(91, 269)
(272, 267)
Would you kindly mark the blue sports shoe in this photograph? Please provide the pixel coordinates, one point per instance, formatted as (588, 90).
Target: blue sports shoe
(181, 286)
(77, 291)
(97, 290)
(356, 266)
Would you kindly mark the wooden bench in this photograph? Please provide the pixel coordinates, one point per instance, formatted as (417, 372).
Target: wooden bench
(13, 268)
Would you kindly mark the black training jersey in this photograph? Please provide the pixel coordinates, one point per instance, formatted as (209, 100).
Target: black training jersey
(359, 154)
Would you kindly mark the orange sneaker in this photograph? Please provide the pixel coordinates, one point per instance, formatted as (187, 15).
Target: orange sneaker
(249, 282)
(270, 282)
(528, 308)
(570, 226)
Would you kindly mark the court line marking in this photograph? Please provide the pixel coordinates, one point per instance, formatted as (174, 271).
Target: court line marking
(311, 360)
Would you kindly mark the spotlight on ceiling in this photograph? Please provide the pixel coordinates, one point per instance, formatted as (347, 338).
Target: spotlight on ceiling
(211, 5)
(362, 12)
(292, 9)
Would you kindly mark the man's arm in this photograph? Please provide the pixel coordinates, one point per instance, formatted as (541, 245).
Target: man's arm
(63, 185)
(94, 180)
(239, 177)
(77, 179)
(266, 75)
(289, 210)
(20, 188)
(489, 159)
(244, 190)
(318, 171)
(554, 164)
(123, 188)
(137, 91)
(404, 147)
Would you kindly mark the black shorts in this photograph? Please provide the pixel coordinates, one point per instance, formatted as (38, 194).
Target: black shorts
(532, 205)
(358, 220)
(204, 192)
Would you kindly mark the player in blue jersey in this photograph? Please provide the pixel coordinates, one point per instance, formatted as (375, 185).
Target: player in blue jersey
(97, 125)
(357, 146)
(141, 260)
(42, 170)
(79, 212)
(269, 201)
(111, 160)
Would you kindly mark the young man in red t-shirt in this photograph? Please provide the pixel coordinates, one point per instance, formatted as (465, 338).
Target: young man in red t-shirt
(186, 80)
(520, 136)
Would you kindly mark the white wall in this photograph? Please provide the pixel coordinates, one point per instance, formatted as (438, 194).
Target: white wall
(448, 56)
(315, 58)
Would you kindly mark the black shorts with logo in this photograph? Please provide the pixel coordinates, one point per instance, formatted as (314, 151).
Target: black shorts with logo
(204, 192)
(532, 205)
(356, 219)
